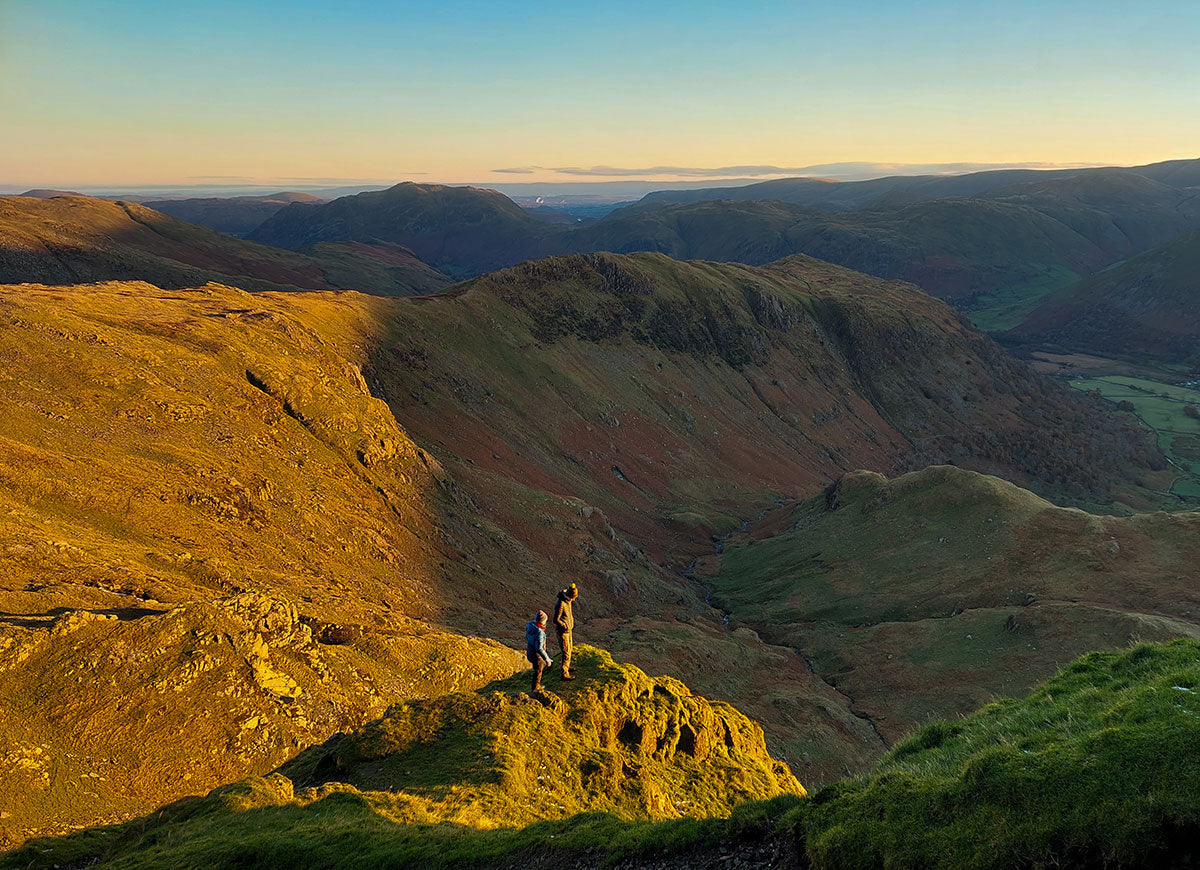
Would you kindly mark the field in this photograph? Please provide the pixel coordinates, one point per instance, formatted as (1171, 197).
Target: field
(1009, 306)
(1162, 407)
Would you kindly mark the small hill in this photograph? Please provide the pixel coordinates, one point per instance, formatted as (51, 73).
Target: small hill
(461, 231)
(1095, 768)
(48, 193)
(73, 239)
(616, 741)
(1145, 308)
(616, 744)
(930, 594)
(235, 215)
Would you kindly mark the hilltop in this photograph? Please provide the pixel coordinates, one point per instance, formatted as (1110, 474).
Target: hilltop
(825, 193)
(461, 231)
(995, 244)
(936, 591)
(235, 215)
(1144, 308)
(74, 239)
(1096, 767)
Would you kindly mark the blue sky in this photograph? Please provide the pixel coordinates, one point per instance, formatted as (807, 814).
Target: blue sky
(113, 91)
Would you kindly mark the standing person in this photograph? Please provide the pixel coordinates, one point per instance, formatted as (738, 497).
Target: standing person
(535, 649)
(564, 625)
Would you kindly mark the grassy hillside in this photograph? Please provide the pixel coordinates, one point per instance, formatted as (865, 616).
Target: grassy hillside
(1145, 308)
(431, 780)
(219, 546)
(462, 231)
(74, 239)
(235, 215)
(935, 592)
(218, 472)
(1163, 407)
(1096, 767)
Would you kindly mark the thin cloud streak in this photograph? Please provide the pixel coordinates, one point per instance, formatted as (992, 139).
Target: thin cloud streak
(838, 171)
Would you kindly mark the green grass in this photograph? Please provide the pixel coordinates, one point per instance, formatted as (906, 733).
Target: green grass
(1009, 306)
(1099, 766)
(1161, 406)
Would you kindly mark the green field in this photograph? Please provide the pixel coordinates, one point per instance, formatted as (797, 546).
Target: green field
(1161, 406)
(1007, 307)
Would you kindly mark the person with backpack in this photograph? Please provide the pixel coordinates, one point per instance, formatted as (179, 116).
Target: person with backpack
(535, 649)
(564, 626)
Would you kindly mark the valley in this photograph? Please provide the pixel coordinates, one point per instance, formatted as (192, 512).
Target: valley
(644, 436)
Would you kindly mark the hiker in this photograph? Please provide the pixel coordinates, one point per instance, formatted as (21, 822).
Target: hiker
(564, 624)
(535, 649)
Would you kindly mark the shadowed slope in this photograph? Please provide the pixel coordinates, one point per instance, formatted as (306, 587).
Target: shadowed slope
(1147, 307)
(462, 231)
(659, 390)
(236, 215)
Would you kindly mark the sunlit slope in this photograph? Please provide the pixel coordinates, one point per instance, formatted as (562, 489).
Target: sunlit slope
(79, 239)
(1095, 767)
(934, 592)
(220, 547)
(216, 546)
(434, 780)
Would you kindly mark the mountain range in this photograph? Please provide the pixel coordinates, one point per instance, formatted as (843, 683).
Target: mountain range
(276, 542)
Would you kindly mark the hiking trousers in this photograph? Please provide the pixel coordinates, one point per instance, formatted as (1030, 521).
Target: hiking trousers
(565, 643)
(538, 667)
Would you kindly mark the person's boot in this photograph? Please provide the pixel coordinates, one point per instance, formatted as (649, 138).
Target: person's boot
(567, 677)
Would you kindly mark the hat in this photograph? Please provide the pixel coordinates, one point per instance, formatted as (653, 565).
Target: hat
(541, 617)
(572, 591)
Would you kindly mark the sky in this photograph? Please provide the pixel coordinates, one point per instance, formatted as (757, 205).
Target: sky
(312, 92)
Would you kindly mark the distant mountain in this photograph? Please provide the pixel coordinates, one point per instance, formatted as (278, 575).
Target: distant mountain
(1003, 239)
(1146, 307)
(48, 193)
(461, 231)
(952, 248)
(825, 193)
(235, 215)
(77, 239)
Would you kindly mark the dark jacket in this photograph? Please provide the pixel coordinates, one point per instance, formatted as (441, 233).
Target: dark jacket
(535, 642)
(564, 620)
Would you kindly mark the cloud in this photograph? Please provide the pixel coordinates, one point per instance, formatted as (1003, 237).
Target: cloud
(840, 171)
(689, 171)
